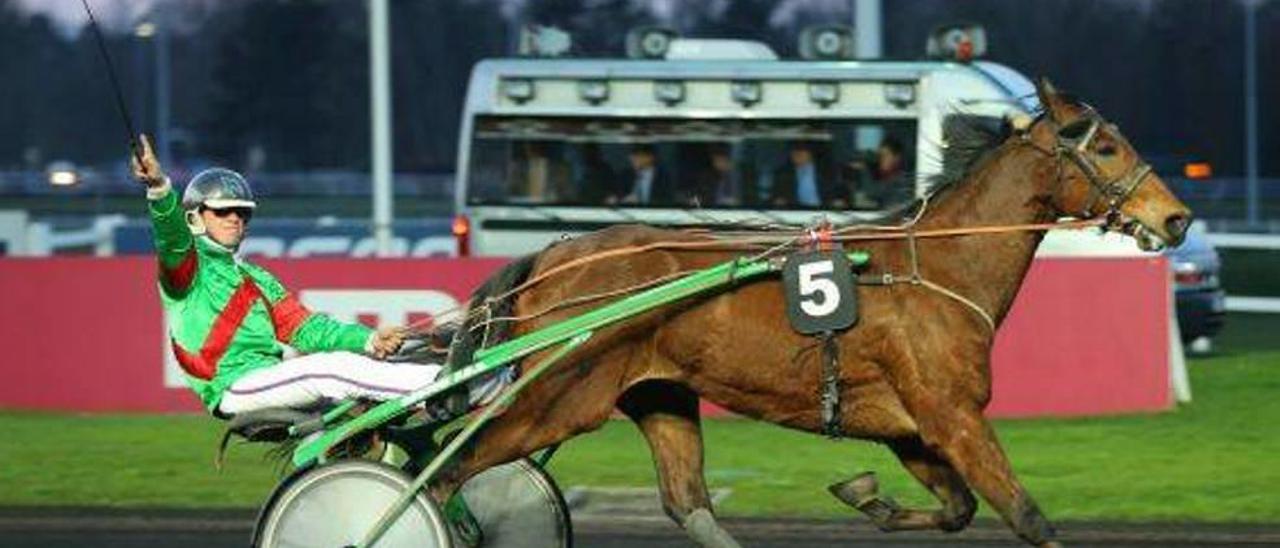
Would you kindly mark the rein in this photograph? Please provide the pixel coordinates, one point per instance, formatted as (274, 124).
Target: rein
(839, 235)
(781, 242)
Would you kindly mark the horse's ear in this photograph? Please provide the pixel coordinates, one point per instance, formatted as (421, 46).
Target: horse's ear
(1052, 102)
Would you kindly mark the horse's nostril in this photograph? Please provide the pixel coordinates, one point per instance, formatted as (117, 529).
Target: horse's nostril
(1177, 225)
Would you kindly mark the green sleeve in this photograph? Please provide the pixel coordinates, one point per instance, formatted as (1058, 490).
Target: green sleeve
(301, 328)
(169, 230)
(320, 333)
(175, 246)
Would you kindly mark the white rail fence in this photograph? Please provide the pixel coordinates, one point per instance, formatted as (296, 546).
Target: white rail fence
(1266, 242)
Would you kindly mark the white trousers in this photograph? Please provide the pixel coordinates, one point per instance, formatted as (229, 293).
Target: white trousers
(314, 379)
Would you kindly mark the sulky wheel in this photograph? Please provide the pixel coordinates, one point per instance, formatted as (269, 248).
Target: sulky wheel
(337, 504)
(515, 505)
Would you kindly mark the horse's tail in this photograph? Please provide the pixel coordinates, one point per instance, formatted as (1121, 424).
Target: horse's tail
(469, 335)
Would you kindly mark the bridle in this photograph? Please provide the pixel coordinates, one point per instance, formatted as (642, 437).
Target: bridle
(1072, 142)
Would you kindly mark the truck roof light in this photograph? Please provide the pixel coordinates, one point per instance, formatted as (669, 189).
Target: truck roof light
(824, 93)
(593, 91)
(900, 94)
(518, 89)
(960, 42)
(827, 42)
(543, 41)
(649, 42)
(746, 92)
(669, 92)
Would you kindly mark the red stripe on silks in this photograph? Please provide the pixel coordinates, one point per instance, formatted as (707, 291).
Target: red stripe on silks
(229, 320)
(205, 365)
(287, 314)
(178, 279)
(194, 365)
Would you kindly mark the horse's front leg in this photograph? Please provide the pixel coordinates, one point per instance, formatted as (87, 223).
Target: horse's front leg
(967, 441)
(667, 414)
(944, 390)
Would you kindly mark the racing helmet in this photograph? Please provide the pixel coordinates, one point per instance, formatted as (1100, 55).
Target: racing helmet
(214, 188)
(217, 188)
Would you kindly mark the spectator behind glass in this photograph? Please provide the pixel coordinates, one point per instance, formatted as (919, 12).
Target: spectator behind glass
(721, 183)
(807, 179)
(881, 179)
(538, 177)
(646, 183)
(597, 180)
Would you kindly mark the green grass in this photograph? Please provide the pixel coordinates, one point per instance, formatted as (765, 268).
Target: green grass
(1217, 459)
(1244, 333)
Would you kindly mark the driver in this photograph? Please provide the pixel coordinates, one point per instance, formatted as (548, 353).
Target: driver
(227, 317)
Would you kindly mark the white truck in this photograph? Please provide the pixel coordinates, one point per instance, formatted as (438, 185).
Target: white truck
(548, 146)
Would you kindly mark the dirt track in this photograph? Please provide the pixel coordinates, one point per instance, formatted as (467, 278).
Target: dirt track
(74, 528)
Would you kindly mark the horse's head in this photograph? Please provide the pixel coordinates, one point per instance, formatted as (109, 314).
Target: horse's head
(1100, 174)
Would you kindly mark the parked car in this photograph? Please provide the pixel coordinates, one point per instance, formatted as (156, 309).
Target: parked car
(1200, 298)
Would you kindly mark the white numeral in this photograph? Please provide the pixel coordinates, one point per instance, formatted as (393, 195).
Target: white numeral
(811, 283)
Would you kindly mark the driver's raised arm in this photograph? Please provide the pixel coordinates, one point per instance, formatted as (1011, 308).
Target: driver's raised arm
(175, 246)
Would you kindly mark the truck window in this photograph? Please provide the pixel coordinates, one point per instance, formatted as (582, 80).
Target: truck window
(678, 163)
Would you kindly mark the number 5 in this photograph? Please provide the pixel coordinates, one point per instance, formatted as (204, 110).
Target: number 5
(811, 282)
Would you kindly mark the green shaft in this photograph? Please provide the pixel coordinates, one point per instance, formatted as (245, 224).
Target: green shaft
(504, 399)
(492, 358)
(711, 278)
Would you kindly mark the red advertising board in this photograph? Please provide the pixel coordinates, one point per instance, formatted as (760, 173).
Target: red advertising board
(1086, 336)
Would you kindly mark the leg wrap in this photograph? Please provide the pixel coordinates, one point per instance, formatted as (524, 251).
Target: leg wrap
(1029, 523)
(701, 526)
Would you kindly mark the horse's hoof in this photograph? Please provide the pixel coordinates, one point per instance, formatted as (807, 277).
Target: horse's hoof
(858, 491)
(863, 493)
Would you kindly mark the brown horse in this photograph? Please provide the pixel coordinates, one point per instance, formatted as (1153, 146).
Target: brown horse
(914, 372)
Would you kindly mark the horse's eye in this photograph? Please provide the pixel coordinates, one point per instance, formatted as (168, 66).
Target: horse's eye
(1074, 130)
(1106, 149)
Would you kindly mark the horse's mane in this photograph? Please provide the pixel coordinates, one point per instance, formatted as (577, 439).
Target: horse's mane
(969, 142)
(467, 340)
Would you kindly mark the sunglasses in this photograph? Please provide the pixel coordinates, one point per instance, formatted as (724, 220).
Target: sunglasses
(243, 212)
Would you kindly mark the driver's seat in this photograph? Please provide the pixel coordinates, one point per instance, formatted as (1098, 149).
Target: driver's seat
(272, 425)
(269, 425)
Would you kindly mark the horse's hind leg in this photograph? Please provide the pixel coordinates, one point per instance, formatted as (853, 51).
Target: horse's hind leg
(958, 504)
(667, 414)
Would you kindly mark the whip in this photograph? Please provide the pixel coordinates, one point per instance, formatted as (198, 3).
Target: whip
(115, 84)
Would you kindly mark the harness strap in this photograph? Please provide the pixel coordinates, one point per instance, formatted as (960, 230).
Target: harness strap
(831, 386)
(917, 279)
(914, 255)
(986, 317)
(1130, 183)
